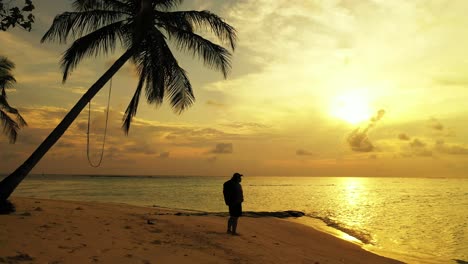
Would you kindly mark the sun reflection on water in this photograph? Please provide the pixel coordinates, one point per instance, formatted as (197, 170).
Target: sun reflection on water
(353, 191)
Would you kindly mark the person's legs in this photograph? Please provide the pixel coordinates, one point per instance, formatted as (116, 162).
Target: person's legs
(234, 225)
(230, 224)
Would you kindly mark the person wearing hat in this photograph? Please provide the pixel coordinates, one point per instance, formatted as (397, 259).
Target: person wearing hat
(233, 197)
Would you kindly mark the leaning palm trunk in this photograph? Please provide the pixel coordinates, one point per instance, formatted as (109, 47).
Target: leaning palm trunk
(8, 185)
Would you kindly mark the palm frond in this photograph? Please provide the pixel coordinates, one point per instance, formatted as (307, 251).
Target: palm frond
(214, 56)
(166, 4)
(177, 84)
(10, 127)
(6, 77)
(167, 18)
(79, 23)
(6, 64)
(152, 65)
(132, 106)
(102, 40)
(115, 5)
(4, 106)
(180, 90)
(202, 20)
(6, 81)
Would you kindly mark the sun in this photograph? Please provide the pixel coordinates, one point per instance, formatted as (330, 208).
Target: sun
(351, 107)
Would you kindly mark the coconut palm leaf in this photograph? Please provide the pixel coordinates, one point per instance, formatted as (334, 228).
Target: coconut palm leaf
(10, 126)
(166, 4)
(80, 23)
(101, 41)
(201, 20)
(115, 5)
(178, 86)
(214, 56)
(133, 106)
(6, 78)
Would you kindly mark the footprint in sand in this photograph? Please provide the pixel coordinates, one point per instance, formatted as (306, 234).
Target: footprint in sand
(156, 242)
(55, 262)
(25, 214)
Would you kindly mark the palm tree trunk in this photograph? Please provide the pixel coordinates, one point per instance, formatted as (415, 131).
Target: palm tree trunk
(8, 185)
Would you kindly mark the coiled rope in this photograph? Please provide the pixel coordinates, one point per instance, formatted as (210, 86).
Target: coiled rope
(105, 130)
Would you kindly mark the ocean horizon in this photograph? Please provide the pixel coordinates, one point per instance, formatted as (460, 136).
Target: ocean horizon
(416, 220)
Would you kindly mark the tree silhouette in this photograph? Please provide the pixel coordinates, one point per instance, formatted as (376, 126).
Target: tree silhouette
(142, 28)
(13, 16)
(10, 125)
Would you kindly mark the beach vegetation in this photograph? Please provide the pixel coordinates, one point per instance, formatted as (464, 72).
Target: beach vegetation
(10, 119)
(13, 15)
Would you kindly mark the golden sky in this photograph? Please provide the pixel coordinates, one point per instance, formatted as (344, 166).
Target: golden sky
(318, 88)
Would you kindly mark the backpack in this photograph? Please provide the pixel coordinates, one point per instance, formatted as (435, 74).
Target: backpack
(228, 192)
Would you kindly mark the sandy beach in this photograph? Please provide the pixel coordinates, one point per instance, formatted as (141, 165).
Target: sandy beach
(52, 231)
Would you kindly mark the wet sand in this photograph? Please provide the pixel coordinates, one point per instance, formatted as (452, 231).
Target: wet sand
(53, 231)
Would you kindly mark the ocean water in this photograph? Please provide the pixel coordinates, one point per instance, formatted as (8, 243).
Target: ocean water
(416, 220)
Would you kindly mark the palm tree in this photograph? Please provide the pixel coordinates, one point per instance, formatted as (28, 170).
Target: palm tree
(142, 28)
(10, 126)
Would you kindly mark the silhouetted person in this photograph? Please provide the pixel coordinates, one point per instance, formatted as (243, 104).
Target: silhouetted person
(233, 197)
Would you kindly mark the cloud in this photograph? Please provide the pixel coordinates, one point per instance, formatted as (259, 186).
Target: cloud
(212, 159)
(189, 135)
(377, 117)
(222, 148)
(129, 68)
(452, 81)
(417, 147)
(246, 125)
(79, 90)
(436, 125)
(214, 103)
(423, 153)
(416, 143)
(302, 152)
(451, 149)
(404, 137)
(358, 139)
(164, 155)
(359, 142)
(139, 148)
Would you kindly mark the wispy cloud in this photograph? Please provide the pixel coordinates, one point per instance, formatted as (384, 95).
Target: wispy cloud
(302, 152)
(436, 125)
(214, 103)
(222, 148)
(358, 139)
(164, 155)
(404, 137)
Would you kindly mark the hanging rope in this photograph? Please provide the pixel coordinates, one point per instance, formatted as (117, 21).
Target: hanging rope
(105, 130)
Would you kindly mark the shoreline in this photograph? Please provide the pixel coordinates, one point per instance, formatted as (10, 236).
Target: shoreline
(56, 231)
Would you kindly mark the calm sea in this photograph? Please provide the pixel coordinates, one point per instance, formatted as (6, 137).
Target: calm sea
(415, 220)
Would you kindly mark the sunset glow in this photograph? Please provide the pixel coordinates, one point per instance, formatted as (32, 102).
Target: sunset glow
(352, 108)
(307, 80)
